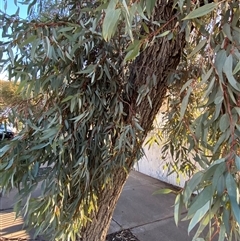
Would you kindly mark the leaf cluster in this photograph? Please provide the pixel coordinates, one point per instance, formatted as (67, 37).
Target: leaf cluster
(9, 95)
(203, 117)
(75, 65)
(77, 128)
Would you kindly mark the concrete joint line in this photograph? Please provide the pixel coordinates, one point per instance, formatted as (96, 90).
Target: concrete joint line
(159, 220)
(5, 209)
(117, 223)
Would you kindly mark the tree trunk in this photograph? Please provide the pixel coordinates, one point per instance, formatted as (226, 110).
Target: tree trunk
(97, 229)
(159, 59)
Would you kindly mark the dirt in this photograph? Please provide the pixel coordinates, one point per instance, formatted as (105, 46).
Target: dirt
(124, 235)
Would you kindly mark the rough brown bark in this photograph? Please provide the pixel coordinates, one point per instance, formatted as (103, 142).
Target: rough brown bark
(159, 59)
(98, 228)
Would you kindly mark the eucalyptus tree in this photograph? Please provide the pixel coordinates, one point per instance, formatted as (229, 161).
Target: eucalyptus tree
(39, 9)
(9, 95)
(98, 75)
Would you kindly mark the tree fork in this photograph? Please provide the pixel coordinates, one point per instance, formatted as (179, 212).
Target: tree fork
(159, 59)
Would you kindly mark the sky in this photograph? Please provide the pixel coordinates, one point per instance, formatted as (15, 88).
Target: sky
(11, 8)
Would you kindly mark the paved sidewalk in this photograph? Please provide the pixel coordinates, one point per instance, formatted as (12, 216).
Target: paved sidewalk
(148, 216)
(10, 227)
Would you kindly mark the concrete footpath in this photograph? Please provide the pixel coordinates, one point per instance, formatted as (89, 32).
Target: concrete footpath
(148, 216)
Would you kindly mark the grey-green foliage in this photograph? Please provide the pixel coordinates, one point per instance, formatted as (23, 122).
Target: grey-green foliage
(77, 126)
(203, 116)
(76, 65)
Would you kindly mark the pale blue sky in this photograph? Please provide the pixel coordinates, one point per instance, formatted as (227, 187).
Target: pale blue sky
(12, 8)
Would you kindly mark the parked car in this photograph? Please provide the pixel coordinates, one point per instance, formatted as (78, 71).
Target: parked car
(6, 132)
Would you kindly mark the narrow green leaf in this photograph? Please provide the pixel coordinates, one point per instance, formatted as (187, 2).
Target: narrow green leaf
(200, 45)
(218, 100)
(237, 162)
(110, 22)
(219, 63)
(67, 98)
(145, 27)
(133, 45)
(140, 12)
(178, 208)
(3, 165)
(210, 87)
(227, 69)
(227, 30)
(125, 6)
(90, 68)
(226, 219)
(232, 193)
(222, 233)
(34, 47)
(68, 55)
(201, 11)
(204, 222)
(73, 103)
(138, 126)
(10, 52)
(132, 54)
(237, 68)
(10, 163)
(149, 6)
(186, 85)
(207, 218)
(4, 149)
(217, 174)
(231, 186)
(149, 101)
(163, 34)
(224, 122)
(48, 47)
(206, 76)
(106, 71)
(201, 200)
(221, 139)
(40, 146)
(221, 186)
(30, 39)
(198, 216)
(30, 6)
(163, 191)
(27, 204)
(35, 169)
(80, 117)
(65, 29)
(180, 5)
(185, 102)
(191, 186)
(235, 209)
(5, 5)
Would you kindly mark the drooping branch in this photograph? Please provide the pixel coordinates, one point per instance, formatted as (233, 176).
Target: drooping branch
(159, 59)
